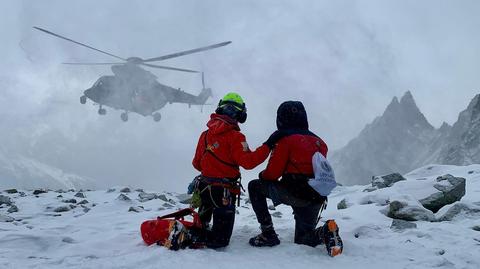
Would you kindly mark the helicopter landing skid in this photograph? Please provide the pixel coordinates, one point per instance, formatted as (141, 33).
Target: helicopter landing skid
(157, 116)
(124, 116)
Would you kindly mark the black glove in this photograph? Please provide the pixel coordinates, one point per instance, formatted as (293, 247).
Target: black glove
(274, 138)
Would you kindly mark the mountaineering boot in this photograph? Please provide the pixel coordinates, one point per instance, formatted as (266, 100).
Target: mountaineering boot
(198, 238)
(178, 237)
(267, 238)
(328, 234)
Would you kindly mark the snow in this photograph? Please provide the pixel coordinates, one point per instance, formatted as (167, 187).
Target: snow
(18, 171)
(107, 236)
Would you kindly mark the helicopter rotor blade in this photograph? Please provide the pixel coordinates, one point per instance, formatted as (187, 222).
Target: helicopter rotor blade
(186, 52)
(170, 68)
(78, 43)
(92, 63)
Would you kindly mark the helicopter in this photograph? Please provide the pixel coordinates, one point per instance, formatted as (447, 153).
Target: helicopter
(134, 89)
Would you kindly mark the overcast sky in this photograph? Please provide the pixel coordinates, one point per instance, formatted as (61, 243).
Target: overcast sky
(344, 59)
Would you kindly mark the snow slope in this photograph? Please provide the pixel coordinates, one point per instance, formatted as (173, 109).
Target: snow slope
(107, 236)
(23, 172)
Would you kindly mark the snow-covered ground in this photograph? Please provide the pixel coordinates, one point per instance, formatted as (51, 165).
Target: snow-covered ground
(107, 236)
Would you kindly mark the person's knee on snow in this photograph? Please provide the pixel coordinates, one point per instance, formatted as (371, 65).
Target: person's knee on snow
(220, 152)
(223, 221)
(291, 160)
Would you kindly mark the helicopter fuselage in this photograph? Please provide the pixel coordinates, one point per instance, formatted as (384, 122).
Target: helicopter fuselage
(118, 93)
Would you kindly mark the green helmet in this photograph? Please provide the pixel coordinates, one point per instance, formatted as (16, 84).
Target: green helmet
(232, 98)
(232, 105)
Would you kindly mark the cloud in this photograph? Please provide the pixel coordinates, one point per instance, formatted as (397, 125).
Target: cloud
(345, 60)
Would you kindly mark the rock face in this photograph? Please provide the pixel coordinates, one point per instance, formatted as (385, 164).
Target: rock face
(402, 140)
(388, 144)
(381, 182)
(452, 191)
(403, 211)
(462, 146)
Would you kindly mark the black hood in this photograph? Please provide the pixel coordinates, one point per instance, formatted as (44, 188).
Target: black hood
(292, 115)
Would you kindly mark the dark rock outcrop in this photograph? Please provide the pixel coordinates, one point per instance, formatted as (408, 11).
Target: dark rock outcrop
(385, 181)
(39, 191)
(404, 211)
(458, 209)
(448, 193)
(5, 200)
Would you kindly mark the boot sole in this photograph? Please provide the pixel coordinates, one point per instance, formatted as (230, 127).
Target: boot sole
(333, 228)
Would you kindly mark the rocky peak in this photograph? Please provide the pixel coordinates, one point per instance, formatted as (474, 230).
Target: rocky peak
(405, 113)
(469, 116)
(474, 108)
(402, 139)
(393, 107)
(407, 101)
(445, 127)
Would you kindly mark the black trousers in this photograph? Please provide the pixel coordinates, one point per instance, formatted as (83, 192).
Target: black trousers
(305, 212)
(217, 203)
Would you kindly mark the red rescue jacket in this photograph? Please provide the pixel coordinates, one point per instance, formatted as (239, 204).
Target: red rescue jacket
(293, 155)
(222, 149)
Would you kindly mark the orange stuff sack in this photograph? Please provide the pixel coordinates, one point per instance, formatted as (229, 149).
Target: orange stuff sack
(159, 230)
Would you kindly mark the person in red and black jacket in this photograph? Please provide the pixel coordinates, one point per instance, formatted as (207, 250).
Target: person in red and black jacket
(291, 160)
(221, 151)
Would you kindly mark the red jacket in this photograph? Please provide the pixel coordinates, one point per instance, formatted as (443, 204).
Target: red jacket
(293, 155)
(228, 150)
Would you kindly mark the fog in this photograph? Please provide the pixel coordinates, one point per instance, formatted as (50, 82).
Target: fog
(344, 59)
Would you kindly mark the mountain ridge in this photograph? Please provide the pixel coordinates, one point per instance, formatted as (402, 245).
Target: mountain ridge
(402, 139)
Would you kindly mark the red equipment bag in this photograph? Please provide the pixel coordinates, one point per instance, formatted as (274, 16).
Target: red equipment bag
(160, 230)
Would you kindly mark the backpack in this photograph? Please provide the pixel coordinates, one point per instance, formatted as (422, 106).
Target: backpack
(172, 230)
(324, 181)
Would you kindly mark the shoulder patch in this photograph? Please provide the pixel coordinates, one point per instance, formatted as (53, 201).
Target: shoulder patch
(245, 146)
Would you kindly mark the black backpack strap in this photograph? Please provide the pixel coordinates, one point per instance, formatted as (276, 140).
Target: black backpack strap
(181, 213)
(210, 151)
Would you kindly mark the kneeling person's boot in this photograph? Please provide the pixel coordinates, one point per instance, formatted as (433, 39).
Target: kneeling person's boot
(268, 238)
(328, 234)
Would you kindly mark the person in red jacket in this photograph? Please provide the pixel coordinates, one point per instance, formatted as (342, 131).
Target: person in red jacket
(221, 151)
(291, 160)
